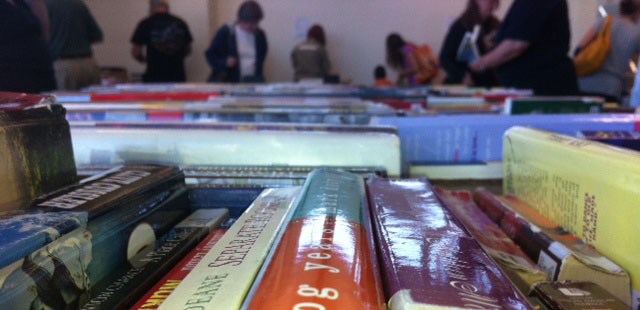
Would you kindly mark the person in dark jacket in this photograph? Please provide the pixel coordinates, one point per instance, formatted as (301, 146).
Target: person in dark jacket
(25, 63)
(479, 13)
(238, 50)
(532, 49)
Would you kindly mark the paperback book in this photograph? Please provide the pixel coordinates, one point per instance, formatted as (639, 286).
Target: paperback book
(163, 288)
(586, 187)
(224, 276)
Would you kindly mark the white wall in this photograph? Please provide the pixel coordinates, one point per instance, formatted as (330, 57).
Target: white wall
(356, 29)
(118, 19)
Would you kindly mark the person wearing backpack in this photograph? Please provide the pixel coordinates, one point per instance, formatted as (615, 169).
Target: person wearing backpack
(478, 13)
(609, 80)
(416, 65)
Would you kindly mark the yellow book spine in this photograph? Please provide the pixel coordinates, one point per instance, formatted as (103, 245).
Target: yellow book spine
(223, 277)
(588, 188)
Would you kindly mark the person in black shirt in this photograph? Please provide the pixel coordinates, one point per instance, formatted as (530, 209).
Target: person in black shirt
(25, 64)
(168, 41)
(532, 49)
(478, 13)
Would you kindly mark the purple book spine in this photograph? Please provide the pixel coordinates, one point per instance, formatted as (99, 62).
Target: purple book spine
(436, 262)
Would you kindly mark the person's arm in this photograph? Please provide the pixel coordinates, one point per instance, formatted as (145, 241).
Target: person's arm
(448, 54)
(506, 51)
(138, 53)
(217, 54)
(94, 33)
(39, 9)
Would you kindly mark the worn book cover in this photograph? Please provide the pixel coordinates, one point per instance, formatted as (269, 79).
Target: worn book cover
(224, 276)
(37, 156)
(586, 187)
(325, 258)
(23, 232)
(428, 258)
(125, 285)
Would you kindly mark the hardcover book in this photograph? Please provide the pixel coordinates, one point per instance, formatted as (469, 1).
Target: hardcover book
(163, 288)
(22, 233)
(325, 257)
(37, 155)
(586, 187)
(553, 105)
(133, 279)
(237, 144)
(428, 258)
(478, 138)
(520, 269)
(223, 277)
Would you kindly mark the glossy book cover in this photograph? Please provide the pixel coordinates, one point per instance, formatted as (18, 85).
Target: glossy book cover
(428, 258)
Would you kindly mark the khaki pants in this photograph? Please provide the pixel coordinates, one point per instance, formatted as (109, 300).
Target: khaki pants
(77, 73)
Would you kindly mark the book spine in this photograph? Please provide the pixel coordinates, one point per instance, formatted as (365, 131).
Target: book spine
(495, 242)
(146, 268)
(118, 235)
(324, 252)
(157, 294)
(54, 277)
(586, 187)
(223, 277)
(238, 145)
(37, 156)
(415, 233)
(478, 138)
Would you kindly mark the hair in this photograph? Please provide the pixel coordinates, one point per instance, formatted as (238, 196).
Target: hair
(250, 12)
(380, 73)
(471, 17)
(629, 7)
(156, 4)
(316, 32)
(395, 43)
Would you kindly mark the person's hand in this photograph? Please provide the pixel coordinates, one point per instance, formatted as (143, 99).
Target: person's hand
(467, 80)
(478, 65)
(231, 62)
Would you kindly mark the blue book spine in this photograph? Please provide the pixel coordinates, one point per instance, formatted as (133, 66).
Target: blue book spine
(22, 233)
(478, 138)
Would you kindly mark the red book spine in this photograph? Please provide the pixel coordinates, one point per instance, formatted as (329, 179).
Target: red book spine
(123, 97)
(166, 285)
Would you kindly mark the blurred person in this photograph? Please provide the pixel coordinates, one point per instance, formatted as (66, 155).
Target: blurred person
(238, 50)
(609, 81)
(416, 65)
(25, 63)
(478, 13)
(309, 58)
(532, 48)
(162, 41)
(73, 30)
(380, 76)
